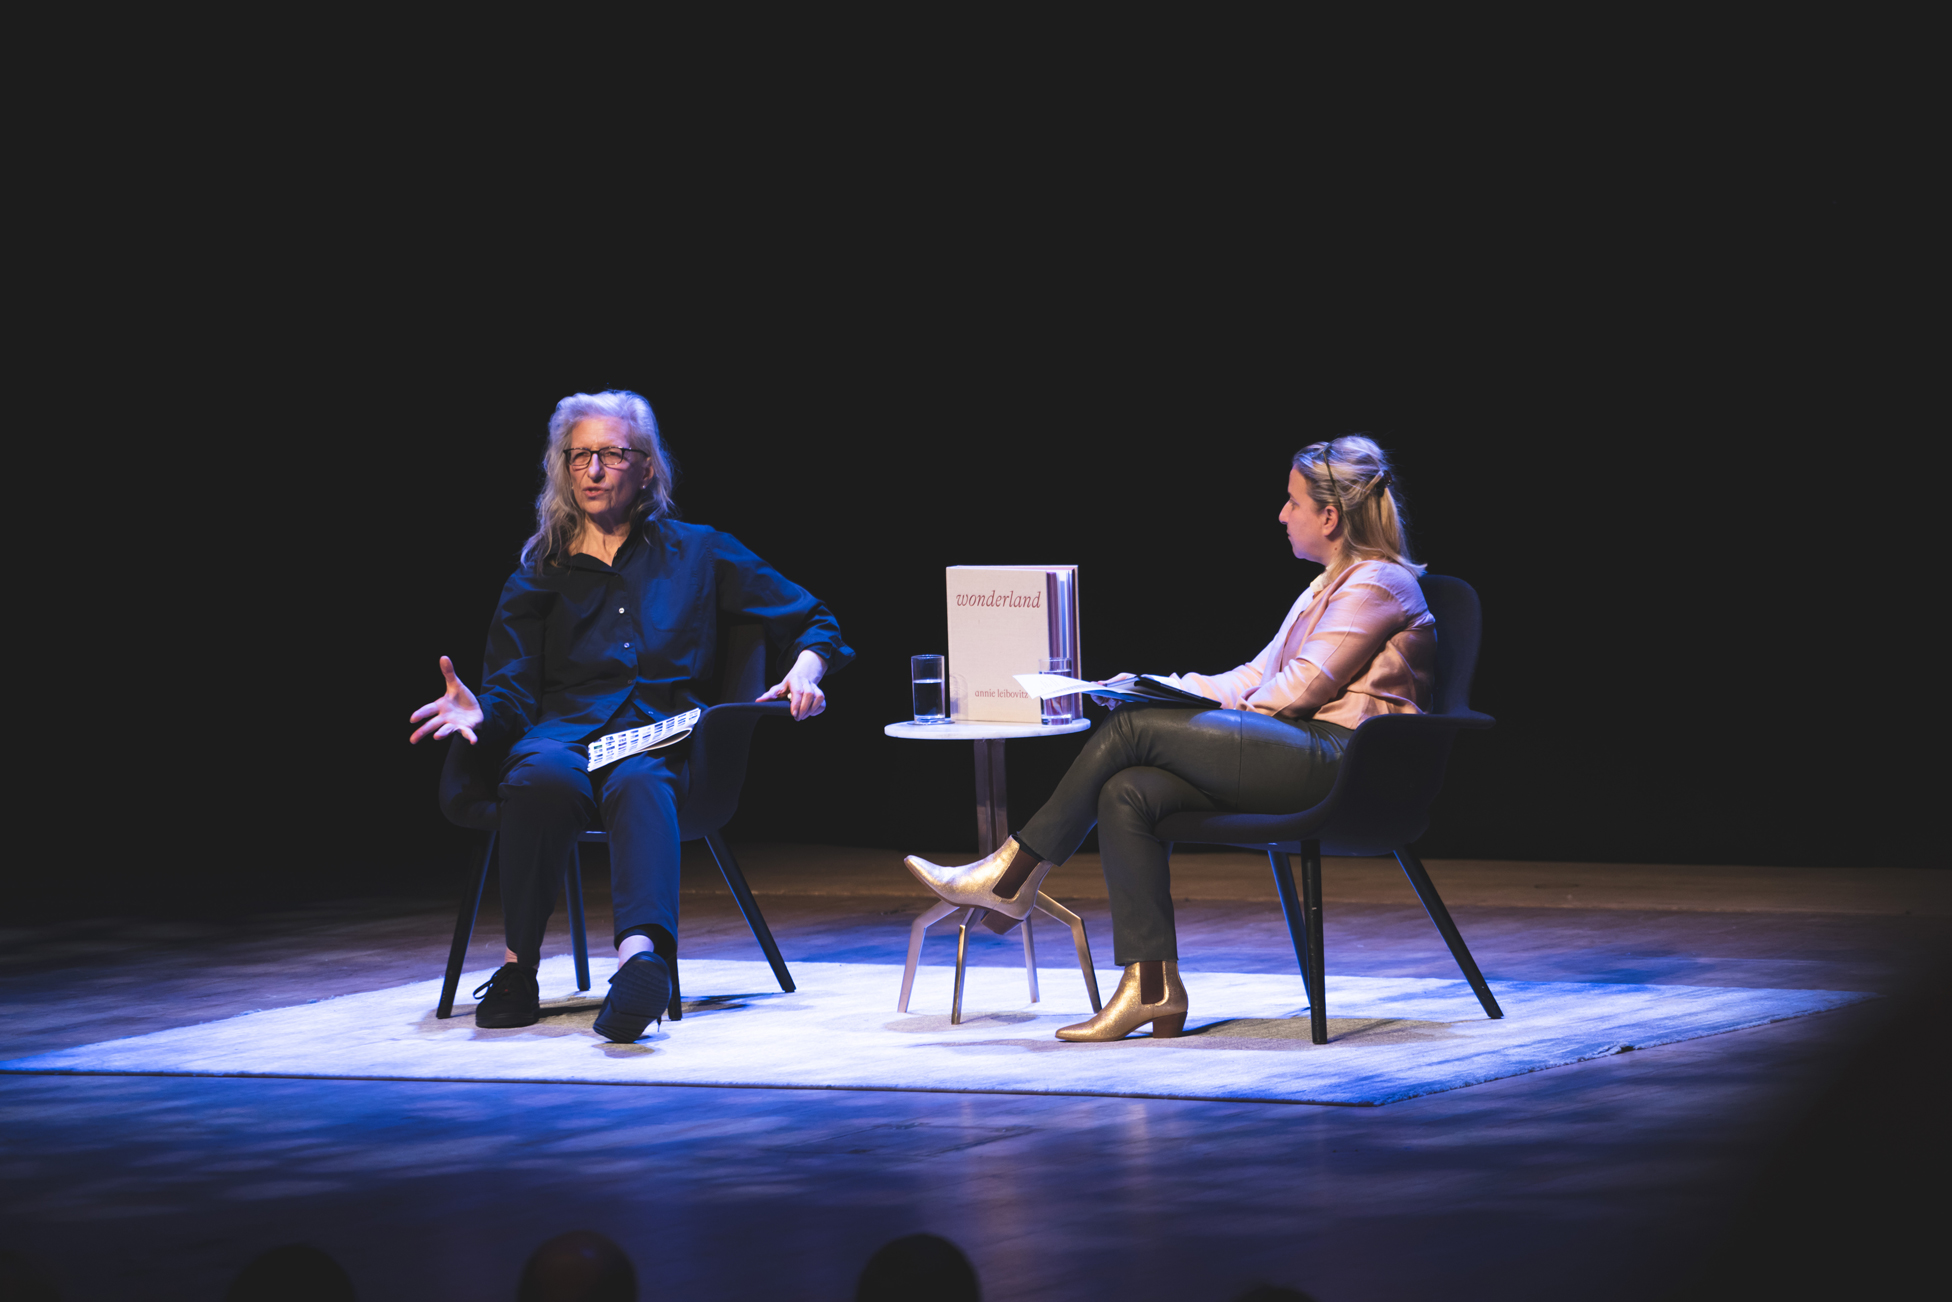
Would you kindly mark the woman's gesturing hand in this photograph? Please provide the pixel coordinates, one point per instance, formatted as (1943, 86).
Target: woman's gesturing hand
(801, 686)
(455, 711)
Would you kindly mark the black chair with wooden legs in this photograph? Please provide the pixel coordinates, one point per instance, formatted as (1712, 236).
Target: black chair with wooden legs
(719, 747)
(1389, 778)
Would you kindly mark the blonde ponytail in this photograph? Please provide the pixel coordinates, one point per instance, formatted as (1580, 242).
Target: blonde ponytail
(1352, 474)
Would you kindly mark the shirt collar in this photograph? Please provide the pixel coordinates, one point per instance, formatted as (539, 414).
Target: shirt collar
(585, 561)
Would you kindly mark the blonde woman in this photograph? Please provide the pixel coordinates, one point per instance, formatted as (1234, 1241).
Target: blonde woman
(610, 623)
(1358, 642)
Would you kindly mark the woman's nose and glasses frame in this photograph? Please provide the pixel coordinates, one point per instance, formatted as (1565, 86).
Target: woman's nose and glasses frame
(612, 458)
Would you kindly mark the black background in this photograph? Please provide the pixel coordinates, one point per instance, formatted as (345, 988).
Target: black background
(1639, 377)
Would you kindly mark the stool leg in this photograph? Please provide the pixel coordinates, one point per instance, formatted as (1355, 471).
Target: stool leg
(1030, 958)
(1083, 943)
(935, 913)
(962, 950)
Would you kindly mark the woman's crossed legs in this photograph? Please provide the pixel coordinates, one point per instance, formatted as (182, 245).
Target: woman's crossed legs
(1145, 763)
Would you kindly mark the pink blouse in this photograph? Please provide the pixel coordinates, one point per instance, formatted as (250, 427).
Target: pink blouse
(1364, 644)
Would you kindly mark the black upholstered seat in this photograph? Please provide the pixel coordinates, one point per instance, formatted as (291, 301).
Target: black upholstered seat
(1389, 778)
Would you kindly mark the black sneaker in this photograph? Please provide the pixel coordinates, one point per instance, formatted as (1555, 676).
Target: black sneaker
(639, 994)
(513, 998)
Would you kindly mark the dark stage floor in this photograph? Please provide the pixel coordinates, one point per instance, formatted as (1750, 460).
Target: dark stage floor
(1615, 1178)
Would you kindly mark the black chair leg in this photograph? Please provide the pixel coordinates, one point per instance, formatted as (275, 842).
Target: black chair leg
(1311, 907)
(1433, 904)
(736, 881)
(457, 953)
(668, 951)
(1284, 883)
(573, 892)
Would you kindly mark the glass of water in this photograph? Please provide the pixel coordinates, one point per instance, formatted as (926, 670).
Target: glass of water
(1059, 709)
(931, 701)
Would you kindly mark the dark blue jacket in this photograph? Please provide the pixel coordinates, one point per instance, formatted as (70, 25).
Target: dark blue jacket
(570, 642)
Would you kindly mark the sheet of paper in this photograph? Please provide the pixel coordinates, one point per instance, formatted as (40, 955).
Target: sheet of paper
(1149, 688)
(1042, 687)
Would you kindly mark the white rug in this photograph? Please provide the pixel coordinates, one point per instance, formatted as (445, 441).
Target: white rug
(1390, 1039)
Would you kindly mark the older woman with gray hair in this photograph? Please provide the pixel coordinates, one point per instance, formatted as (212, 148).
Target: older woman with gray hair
(609, 624)
(1358, 642)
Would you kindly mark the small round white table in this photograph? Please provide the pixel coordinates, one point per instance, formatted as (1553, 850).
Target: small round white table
(992, 830)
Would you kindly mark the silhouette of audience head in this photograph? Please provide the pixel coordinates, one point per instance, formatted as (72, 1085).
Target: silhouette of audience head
(581, 1266)
(918, 1268)
(296, 1272)
(1273, 1293)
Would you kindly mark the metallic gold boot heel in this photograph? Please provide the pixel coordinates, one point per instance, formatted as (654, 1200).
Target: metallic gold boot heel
(1127, 1010)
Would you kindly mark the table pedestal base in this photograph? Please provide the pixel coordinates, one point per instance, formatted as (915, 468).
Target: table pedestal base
(1045, 905)
(992, 798)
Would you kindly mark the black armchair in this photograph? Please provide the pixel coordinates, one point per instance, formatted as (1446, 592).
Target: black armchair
(1389, 778)
(719, 746)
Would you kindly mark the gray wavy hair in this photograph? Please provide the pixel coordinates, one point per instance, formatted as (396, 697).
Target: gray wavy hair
(1352, 473)
(558, 515)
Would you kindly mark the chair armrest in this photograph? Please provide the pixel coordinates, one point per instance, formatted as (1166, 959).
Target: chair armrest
(730, 725)
(1423, 724)
(719, 746)
(733, 709)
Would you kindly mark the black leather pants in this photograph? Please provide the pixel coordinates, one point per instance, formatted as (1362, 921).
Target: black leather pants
(1147, 762)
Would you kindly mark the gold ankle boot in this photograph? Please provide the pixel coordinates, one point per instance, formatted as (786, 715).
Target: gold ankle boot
(975, 884)
(1128, 1010)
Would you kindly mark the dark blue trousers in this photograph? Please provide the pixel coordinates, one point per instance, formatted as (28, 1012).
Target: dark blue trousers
(549, 796)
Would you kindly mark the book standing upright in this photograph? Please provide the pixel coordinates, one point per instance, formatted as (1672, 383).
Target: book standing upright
(1003, 620)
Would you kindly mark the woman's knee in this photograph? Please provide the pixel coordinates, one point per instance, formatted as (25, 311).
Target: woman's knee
(654, 784)
(1162, 732)
(551, 776)
(1139, 797)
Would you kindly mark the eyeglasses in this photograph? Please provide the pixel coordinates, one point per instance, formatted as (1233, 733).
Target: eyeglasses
(612, 458)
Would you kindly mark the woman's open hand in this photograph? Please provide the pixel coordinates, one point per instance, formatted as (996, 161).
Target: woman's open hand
(801, 686)
(455, 711)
